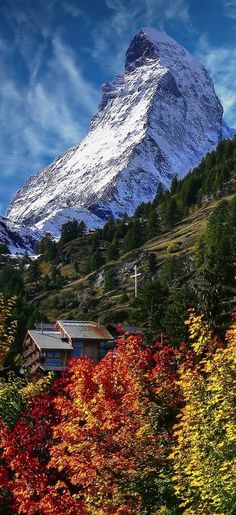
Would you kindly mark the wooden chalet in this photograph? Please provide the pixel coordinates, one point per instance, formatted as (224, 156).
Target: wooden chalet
(48, 348)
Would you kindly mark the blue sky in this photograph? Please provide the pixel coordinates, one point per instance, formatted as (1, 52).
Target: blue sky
(55, 54)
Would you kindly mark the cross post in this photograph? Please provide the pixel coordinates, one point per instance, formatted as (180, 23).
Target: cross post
(135, 276)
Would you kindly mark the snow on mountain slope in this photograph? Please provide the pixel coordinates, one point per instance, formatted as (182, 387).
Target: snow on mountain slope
(156, 120)
(19, 239)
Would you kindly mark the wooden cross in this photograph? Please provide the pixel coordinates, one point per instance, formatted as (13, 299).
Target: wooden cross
(135, 276)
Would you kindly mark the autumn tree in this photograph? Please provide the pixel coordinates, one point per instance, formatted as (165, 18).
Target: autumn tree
(7, 327)
(114, 433)
(26, 485)
(204, 467)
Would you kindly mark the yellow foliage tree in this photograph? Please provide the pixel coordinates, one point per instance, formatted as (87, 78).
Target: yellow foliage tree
(204, 456)
(7, 327)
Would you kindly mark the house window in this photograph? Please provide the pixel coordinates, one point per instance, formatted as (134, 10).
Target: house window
(53, 359)
(104, 347)
(77, 349)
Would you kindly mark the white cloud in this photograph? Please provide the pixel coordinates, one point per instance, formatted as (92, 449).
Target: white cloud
(221, 64)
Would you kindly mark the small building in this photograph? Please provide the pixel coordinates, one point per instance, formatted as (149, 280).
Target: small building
(49, 348)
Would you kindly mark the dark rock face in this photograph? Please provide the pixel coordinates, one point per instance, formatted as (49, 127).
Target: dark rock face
(169, 86)
(139, 51)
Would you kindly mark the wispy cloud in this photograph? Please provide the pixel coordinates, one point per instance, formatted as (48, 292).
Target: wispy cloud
(167, 10)
(221, 63)
(112, 37)
(72, 9)
(58, 104)
(230, 8)
(45, 98)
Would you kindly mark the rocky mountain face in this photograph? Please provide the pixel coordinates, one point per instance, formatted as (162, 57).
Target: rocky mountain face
(156, 120)
(17, 237)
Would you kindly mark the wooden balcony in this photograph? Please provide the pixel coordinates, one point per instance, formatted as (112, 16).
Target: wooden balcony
(52, 368)
(31, 360)
(29, 351)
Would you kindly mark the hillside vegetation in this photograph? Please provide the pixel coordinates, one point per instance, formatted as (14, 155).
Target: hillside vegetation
(88, 276)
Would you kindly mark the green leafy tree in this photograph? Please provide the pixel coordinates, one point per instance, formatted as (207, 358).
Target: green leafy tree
(203, 458)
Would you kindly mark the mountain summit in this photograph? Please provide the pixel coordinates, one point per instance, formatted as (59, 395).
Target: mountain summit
(157, 120)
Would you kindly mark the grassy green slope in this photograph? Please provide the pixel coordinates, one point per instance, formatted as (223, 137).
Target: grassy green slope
(84, 297)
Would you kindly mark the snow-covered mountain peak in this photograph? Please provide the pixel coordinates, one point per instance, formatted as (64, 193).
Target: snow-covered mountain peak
(158, 119)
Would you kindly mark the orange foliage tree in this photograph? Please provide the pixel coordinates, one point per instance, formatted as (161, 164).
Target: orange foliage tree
(114, 433)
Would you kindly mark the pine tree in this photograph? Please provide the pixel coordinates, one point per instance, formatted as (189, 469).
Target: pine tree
(153, 225)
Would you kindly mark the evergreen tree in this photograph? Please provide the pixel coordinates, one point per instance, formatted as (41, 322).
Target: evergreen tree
(4, 248)
(174, 185)
(160, 194)
(56, 278)
(113, 250)
(179, 302)
(170, 212)
(96, 260)
(110, 280)
(47, 247)
(153, 225)
(81, 228)
(70, 231)
(214, 258)
(108, 230)
(34, 271)
(149, 308)
(134, 236)
(95, 241)
(152, 263)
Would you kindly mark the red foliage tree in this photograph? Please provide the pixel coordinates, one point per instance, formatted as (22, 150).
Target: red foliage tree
(26, 485)
(98, 442)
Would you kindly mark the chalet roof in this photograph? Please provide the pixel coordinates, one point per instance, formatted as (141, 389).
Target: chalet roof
(85, 330)
(49, 340)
